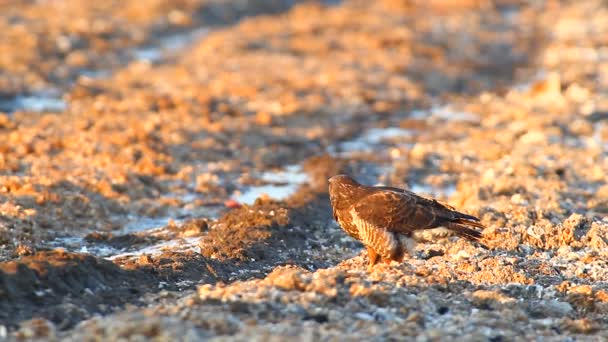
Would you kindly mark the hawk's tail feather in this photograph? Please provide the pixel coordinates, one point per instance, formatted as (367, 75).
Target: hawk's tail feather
(473, 223)
(465, 232)
(468, 218)
(462, 228)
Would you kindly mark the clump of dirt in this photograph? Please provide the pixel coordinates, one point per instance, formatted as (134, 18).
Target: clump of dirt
(597, 237)
(194, 227)
(288, 278)
(241, 233)
(544, 234)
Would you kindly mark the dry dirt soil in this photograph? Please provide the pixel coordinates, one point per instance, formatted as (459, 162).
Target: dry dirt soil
(164, 165)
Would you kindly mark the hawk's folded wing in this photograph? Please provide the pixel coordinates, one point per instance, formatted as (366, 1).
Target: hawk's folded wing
(402, 211)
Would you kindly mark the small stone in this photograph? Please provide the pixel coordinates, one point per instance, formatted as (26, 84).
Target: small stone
(461, 255)
(550, 308)
(548, 91)
(263, 198)
(418, 152)
(5, 121)
(77, 59)
(533, 137)
(192, 301)
(194, 227)
(577, 93)
(597, 236)
(205, 291)
(415, 317)
(492, 298)
(36, 328)
(572, 228)
(580, 326)
(326, 283)
(145, 259)
(395, 153)
(364, 316)
(263, 118)
(581, 127)
(602, 296)
(23, 250)
(177, 17)
(586, 290)
(287, 278)
(488, 177)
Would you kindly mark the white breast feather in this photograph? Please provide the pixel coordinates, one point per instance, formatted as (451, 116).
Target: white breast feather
(434, 234)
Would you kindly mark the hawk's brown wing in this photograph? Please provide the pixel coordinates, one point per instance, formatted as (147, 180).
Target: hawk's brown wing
(404, 212)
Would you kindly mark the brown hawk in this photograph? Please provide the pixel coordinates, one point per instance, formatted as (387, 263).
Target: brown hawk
(389, 220)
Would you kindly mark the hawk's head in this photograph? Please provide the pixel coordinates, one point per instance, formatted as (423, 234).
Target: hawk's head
(343, 190)
(342, 179)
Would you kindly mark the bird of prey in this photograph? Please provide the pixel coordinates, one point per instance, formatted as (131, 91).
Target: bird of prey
(388, 221)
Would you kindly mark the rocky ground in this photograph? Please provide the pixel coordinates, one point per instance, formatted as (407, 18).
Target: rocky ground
(163, 168)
